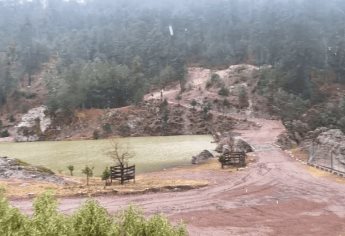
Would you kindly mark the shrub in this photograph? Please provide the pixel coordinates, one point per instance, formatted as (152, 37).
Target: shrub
(46, 219)
(88, 172)
(71, 169)
(91, 219)
(208, 84)
(214, 81)
(224, 92)
(106, 175)
(243, 98)
(12, 222)
(193, 103)
(11, 119)
(215, 78)
(107, 128)
(4, 133)
(95, 134)
(226, 103)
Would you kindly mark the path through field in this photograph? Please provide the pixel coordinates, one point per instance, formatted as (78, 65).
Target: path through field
(274, 196)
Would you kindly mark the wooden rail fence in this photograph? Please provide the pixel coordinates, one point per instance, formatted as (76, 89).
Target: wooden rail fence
(237, 159)
(122, 173)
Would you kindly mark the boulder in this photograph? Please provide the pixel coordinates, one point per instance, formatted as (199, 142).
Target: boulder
(33, 125)
(202, 157)
(236, 144)
(241, 146)
(14, 168)
(285, 141)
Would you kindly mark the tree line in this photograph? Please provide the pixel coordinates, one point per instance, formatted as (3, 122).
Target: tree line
(108, 53)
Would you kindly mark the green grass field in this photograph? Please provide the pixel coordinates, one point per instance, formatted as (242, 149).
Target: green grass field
(151, 153)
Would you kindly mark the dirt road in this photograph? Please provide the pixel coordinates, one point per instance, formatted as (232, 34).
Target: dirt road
(274, 196)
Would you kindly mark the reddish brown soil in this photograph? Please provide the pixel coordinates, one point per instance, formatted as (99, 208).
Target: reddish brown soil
(273, 196)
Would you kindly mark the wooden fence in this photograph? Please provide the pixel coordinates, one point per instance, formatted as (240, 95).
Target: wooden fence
(122, 173)
(237, 159)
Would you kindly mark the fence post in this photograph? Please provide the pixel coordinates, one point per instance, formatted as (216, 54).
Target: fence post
(332, 160)
(122, 169)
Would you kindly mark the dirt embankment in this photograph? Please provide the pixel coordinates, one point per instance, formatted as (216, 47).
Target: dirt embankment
(151, 118)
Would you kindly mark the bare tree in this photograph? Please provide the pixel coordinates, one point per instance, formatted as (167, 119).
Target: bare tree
(119, 154)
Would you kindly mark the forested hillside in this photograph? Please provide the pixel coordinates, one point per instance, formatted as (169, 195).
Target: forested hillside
(108, 53)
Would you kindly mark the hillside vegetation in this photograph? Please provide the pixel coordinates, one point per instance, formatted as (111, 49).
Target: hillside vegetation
(108, 54)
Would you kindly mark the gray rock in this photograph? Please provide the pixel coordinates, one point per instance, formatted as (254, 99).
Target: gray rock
(202, 157)
(236, 144)
(285, 141)
(33, 124)
(241, 146)
(13, 168)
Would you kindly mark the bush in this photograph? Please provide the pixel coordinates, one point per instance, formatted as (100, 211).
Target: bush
(106, 175)
(224, 92)
(107, 128)
(12, 222)
(214, 81)
(95, 134)
(11, 119)
(226, 103)
(91, 219)
(193, 103)
(4, 133)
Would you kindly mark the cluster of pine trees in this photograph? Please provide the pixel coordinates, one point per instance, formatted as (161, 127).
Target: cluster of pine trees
(108, 53)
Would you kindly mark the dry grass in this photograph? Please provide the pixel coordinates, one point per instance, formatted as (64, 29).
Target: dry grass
(27, 189)
(175, 179)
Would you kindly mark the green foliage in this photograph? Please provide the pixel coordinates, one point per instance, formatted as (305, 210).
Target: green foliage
(46, 219)
(90, 220)
(206, 107)
(288, 106)
(224, 91)
(193, 103)
(107, 128)
(243, 98)
(215, 81)
(12, 222)
(71, 169)
(88, 172)
(226, 103)
(179, 98)
(132, 222)
(106, 174)
(215, 78)
(95, 134)
(4, 133)
(11, 119)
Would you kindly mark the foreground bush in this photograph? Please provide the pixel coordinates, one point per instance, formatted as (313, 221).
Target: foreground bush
(90, 220)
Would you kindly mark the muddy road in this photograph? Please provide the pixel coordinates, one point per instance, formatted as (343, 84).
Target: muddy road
(276, 195)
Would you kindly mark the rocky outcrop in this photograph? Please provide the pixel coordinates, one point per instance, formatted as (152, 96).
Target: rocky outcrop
(285, 142)
(14, 168)
(241, 146)
(202, 157)
(233, 143)
(328, 149)
(33, 125)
